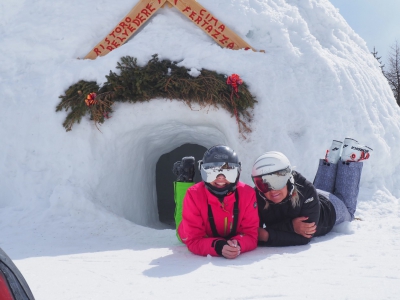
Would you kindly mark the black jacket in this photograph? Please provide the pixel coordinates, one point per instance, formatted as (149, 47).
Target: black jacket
(277, 218)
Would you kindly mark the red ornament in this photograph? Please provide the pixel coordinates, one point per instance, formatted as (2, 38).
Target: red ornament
(234, 80)
(91, 99)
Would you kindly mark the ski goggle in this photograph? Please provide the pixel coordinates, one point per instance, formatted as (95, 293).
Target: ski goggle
(272, 181)
(210, 171)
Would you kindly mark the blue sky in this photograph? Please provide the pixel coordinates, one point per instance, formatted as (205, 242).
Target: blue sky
(377, 22)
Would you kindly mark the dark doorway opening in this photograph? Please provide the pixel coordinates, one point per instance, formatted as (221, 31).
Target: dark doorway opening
(165, 179)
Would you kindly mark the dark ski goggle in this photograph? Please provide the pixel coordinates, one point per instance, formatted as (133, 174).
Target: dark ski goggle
(272, 181)
(210, 171)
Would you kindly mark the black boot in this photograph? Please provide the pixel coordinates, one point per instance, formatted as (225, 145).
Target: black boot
(184, 169)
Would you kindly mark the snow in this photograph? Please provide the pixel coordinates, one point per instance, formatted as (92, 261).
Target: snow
(78, 210)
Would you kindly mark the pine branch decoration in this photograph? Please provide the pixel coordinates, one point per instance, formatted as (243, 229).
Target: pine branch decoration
(157, 79)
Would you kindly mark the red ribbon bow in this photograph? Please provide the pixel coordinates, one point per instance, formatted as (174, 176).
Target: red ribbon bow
(91, 99)
(234, 80)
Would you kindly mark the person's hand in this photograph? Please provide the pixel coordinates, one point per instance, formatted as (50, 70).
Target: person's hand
(303, 228)
(232, 250)
(263, 235)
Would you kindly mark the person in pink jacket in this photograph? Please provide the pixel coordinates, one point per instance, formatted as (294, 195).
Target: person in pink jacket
(219, 215)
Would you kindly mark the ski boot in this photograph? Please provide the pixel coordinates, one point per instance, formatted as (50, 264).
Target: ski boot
(333, 154)
(353, 151)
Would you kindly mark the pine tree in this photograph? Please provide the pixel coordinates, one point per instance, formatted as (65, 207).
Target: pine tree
(378, 58)
(393, 73)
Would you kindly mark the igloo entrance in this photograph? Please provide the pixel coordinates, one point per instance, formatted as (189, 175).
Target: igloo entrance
(165, 179)
(138, 183)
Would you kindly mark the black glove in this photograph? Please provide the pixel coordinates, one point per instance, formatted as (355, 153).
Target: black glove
(219, 245)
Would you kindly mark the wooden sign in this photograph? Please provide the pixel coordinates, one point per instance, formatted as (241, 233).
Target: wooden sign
(210, 24)
(145, 9)
(126, 27)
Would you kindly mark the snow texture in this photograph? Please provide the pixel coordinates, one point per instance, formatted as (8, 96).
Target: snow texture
(78, 210)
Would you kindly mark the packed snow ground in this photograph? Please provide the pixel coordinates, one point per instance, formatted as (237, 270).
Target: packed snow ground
(78, 210)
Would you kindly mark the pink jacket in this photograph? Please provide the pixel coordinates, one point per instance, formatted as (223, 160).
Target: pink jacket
(195, 230)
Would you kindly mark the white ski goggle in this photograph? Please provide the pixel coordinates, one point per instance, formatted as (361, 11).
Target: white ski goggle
(272, 181)
(210, 171)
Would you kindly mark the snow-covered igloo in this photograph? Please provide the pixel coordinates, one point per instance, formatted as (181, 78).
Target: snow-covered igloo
(316, 81)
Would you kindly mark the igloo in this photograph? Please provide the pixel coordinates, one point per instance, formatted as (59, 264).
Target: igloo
(316, 81)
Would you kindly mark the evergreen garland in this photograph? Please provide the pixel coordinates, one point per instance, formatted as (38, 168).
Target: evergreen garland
(157, 79)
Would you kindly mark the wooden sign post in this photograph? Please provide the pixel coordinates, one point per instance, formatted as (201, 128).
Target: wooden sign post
(210, 24)
(126, 27)
(145, 9)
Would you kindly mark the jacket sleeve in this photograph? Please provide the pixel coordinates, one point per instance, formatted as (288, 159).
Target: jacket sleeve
(311, 206)
(195, 230)
(282, 234)
(248, 228)
(283, 238)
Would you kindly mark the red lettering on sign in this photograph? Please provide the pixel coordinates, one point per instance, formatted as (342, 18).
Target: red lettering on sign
(136, 21)
(198, 15)
(223, 40)
(131, 29)
(204, 23)
(150, 8)
(216, 34)
(192, 15)
(115, 44)
(215, 21)
(140, 18)
(125, 32)
(198, 20)
(146, 12)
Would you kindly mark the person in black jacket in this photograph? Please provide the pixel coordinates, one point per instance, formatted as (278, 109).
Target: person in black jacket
(292, 209)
